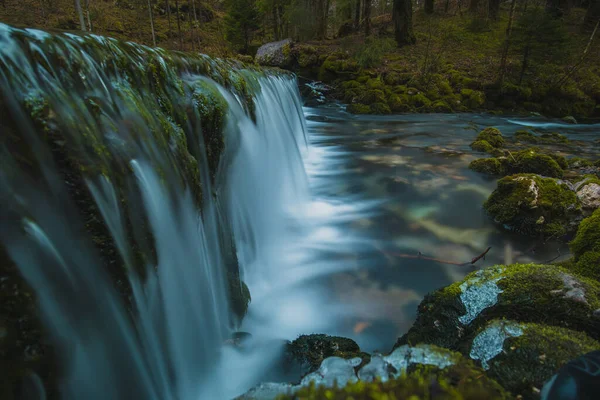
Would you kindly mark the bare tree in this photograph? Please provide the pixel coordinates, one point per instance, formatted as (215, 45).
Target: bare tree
(402, 17)
(80, 14)
(428, 7)
(169, 15)
(87, 12)
(357, 15)
(178, 24)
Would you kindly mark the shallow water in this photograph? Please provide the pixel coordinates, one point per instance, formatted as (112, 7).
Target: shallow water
(383, 187)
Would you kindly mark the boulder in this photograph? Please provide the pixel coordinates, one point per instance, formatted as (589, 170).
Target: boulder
(276, 54)
(525, 293)
(533, 205)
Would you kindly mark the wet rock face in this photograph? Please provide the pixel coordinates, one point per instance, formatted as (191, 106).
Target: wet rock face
(276, 54)
(589, 196)
(546, 294)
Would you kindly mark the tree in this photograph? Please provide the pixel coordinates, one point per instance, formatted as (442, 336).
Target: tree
(558, 8)
(178, 24)
(592, 16)
(428, 7)
(494, 8)
(367, 16)
(402, 17)
(152, 23)
(357, 15)
(80, 14)
(507, 41)
(241, 21)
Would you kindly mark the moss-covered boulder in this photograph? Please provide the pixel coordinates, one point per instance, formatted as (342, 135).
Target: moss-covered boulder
(482, 146)
(533, 205)
(585, 247)
(523, 356)
(491, 135)
(525, 137)
(533, 293)
(490, 166)
(531, 161)
(311, 350)
(357, 108)
(588, 192)
(276, 54)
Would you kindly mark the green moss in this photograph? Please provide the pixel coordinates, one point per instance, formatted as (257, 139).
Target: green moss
(526, 136)
(380, 108)
(553, 137)
(482, 146)
(358, 108)
(373, 96)
(472, 99)
(578, 162)
(525, 293)
(529, 360)
(587, 238)
(310, 350)
(493, 136)
(532, 205)
(440, 106)
(530, 161)
(490, 166)
(419, 100)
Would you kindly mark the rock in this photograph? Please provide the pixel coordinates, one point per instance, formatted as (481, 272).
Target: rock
(589, 195)
(569, 119)
(522, 356)
(310, 350)
(521, 292)
(491, 135)
(408, 371)
(585, 248)
(483, 146)
(578, 378)
(520, 200)
(490, 166)
(276, 54)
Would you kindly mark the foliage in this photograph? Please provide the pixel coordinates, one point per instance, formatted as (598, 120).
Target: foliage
(240, 22)
(371, 52)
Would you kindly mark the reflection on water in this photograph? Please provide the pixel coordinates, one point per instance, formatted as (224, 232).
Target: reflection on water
(384, 186)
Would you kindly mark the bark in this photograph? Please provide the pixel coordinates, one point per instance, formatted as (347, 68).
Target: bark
(169, 15)
(428, 7)
(402, 17)
(178, 24)
(511, 17)
(474, 5)
(87, 12)
(152, 23)
(367, 16)
(80, 14)
(357, 15)
(592, 16)
(493, 8)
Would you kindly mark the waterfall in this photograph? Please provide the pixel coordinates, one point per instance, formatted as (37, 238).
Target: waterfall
(125, 173)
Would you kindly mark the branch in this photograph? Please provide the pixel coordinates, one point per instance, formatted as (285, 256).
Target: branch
(420, 256)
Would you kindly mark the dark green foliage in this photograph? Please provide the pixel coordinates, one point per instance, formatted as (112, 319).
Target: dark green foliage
(241, 21)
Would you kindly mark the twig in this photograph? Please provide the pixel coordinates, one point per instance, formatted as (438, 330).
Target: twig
(420, 256)
(555, 258)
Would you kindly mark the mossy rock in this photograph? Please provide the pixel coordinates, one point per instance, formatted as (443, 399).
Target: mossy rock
(357, 108)
(419, 100)
(588, 236)
(440, 106)
(534, 293)
(373, 96)
(530, 161)
(380, 108)
(533, 205)
(409, 373)
(493, 136)
(489, 166)
(578, 162)
(526, 137)
(310, 350)
(472, 99)
(482, 146)
(523, 356)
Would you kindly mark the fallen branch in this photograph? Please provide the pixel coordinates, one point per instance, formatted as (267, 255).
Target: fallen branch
(420, 256)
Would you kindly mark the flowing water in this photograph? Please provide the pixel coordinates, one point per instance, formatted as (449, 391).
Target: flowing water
(323, 211)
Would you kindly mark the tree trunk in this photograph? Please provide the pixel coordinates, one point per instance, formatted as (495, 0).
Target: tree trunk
(357, 15)
(152, 23)
(447, 6)
(169, 15)
(191, 25)
(473, 5)
(80, 14)
(87, 12)
(494, 8)
(196, 23)
(429, 6)
(367, 16)
(402, 17)
(507, 41)
(592, 16)
(558, 8)
(525, 64)
(178, 24)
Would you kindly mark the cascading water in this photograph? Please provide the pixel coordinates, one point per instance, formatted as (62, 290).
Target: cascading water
(109, 155)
